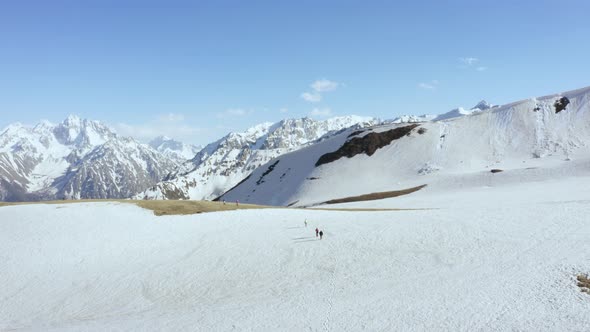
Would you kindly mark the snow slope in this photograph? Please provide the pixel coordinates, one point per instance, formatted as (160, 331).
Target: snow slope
(500, 258)
(514, 138)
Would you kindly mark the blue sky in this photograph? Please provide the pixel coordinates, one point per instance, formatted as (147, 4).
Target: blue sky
(195, 70)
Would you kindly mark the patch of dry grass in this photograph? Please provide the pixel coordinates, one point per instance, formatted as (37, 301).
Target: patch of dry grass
(375, 196)
(584, 283)
(169, 208)
(160, 208)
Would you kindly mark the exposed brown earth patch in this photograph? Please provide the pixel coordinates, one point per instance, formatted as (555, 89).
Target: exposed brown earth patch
(367, 144)
(375, 196)
(584, 283)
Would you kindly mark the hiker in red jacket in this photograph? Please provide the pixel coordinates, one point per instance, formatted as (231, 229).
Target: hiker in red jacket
(317, 231)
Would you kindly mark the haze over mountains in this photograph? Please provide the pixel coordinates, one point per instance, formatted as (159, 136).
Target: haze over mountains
(276, 163)
(173, 149)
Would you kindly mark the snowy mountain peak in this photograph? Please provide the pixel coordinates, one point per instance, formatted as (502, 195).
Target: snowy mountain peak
(13, 128)
(349, 120)
(173, 149)
(82, 133)
(44, 127)
(482, 105)
(45, 124)
(413, 118)
(257, 130)
(72, 120)
(460, 111)
(455, 113)
(154, 143)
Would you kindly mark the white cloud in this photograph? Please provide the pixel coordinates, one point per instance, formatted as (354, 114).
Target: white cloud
(283, 110)
(237, 112)
(469, 61)
(319, 87)
(324, 85)
(233, 112)
(312, 97)
(321, 112)
(172, 117)
(428, 86)
(472, 63)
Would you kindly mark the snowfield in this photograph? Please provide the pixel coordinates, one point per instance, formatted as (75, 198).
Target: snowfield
(499, 257)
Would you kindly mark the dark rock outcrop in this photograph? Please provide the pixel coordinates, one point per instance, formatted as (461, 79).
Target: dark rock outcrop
(270, 168)
(560, 104)
(367, 144)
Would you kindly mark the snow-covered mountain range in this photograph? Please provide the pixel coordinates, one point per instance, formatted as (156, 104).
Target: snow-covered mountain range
(75, 159)
(279, 163)
(455, 149)
(224, 163)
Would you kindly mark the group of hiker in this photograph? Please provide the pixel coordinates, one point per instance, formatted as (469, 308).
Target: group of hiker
(318, 233)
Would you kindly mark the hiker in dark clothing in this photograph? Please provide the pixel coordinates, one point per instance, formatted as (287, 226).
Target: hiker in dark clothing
(316, 232)
(321, 234)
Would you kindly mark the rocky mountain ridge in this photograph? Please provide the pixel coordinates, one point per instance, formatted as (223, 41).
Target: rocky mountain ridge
(222, 164)
(75, 159)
